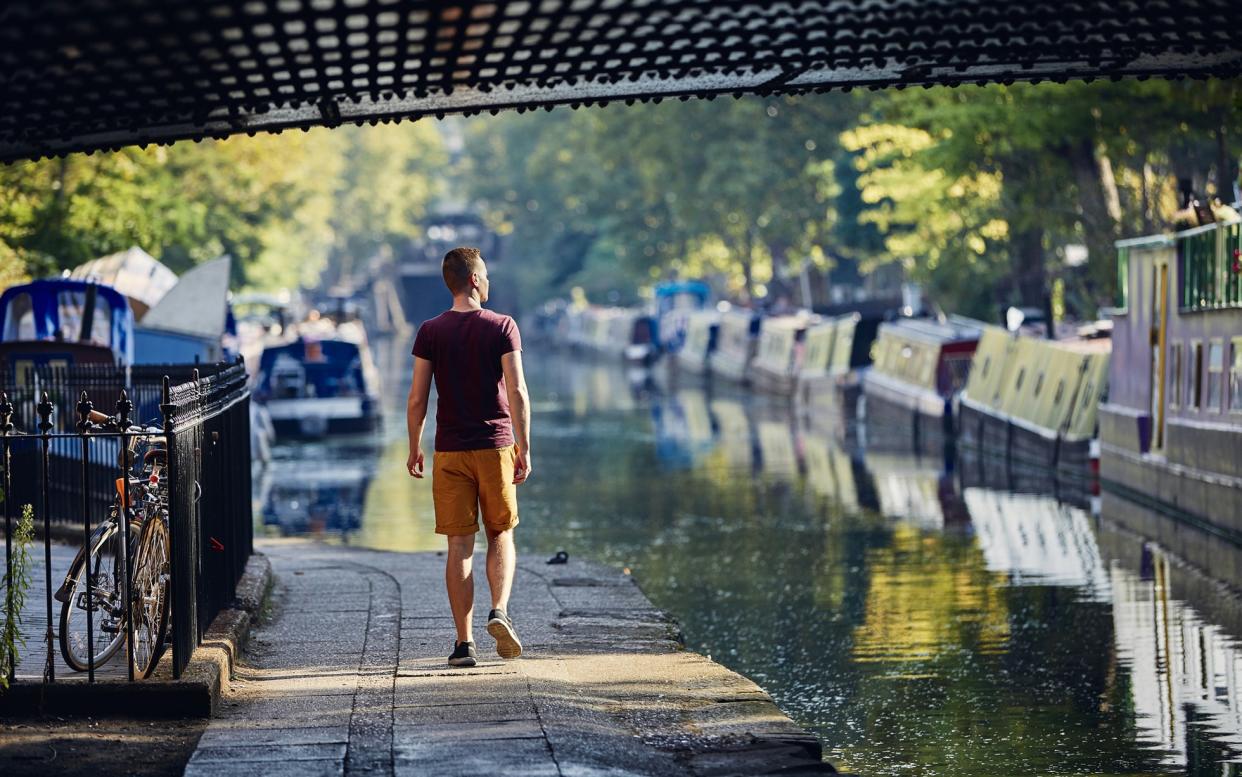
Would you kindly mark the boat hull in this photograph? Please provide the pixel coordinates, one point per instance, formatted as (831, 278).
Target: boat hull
(1196, 481)
(902, 417)
(997, 436)
(317, 417)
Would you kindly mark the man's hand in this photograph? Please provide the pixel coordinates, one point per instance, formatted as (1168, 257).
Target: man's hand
(521, 467)
(415, 462)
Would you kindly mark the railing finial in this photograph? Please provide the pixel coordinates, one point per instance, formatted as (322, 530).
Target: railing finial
(85, 407)
(123, 408)
(44, 409)
(6, 413)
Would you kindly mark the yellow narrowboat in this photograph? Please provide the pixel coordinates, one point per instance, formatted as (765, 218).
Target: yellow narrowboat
(702, 328)
(1032, 402)
(918, 367)
(778, 356)
(828, 386)
(736, 343)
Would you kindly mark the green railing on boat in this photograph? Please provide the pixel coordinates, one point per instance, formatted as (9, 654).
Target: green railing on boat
(1209, 262)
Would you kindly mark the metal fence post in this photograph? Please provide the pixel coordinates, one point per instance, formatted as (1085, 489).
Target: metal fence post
(6, 426)
(179, 616)
(44, 410)
(85, 407)
(123, 409)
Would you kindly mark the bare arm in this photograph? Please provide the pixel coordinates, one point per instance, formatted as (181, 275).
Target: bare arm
(519, 409)
(416, 414)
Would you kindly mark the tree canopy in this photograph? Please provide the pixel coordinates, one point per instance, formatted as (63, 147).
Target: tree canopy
(980, 194)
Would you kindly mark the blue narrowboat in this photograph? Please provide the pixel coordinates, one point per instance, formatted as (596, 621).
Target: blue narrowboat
(322, 382)
(675, 303)
(61, 321)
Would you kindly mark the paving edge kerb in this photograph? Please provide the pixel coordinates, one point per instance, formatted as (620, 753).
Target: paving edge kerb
(195, 695)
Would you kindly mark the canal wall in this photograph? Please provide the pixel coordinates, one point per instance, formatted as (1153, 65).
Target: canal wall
(348, 674)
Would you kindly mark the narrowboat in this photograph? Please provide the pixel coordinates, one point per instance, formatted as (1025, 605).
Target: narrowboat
(919, 367)
(65, 321)
(676, 302)
(322, 382)
(1031, 402)
(694, 355)
(1171, 430)
(736, 342)
(779, 353)
(829, 380)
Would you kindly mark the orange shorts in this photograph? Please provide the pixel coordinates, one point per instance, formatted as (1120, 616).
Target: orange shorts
(464, 481)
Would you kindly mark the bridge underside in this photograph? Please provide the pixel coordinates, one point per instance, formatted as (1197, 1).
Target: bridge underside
(80, 76)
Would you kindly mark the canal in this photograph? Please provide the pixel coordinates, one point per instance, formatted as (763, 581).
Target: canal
(916, 623)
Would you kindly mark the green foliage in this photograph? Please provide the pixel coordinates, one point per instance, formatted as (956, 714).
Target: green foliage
(974, 192)
(737, 189)
(284, 207)
(17, 581)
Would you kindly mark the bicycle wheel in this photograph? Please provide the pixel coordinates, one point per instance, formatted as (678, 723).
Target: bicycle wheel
(151, 596)
(106, 605)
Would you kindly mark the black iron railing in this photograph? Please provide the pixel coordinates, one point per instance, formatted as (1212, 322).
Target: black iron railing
(73, 465)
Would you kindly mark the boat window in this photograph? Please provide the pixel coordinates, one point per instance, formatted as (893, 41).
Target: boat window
(72, 309)
(1216, 375)
(1175, 375)
(1235, 375)
(1017, 386)
(1087, 395)
(987, 362)
(1039, 383)
(1056, 398)
(1196, 376)
(19, 319)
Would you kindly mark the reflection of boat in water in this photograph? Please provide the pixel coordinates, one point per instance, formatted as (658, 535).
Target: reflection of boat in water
(737, 437)
(317, 493)
(1035, 539)
(684, 428)
(915, 490)
(1185, 673)
(323, 382)
(832, 472)
(779, 453)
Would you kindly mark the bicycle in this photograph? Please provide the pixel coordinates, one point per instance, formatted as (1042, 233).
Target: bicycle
(143, 501)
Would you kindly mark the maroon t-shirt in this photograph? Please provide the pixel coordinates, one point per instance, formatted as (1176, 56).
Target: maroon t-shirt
(472, 409)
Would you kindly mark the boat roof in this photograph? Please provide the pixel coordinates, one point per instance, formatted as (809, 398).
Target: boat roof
(133, 272)
(671, 288)
(953, 329)
(198, 304)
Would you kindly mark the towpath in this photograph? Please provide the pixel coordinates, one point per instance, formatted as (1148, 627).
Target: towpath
(347, 675)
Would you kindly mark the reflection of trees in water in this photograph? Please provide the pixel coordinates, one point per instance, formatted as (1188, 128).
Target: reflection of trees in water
(910, 625)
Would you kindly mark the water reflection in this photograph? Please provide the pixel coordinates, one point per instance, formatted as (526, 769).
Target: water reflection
(919, 622)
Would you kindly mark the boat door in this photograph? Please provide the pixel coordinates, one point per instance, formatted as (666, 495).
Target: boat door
(1159, 348)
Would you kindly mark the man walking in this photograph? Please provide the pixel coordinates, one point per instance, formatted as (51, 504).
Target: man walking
(482, 449)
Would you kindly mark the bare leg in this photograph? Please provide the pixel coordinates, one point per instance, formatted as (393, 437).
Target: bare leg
(459, 580)
(501, 558)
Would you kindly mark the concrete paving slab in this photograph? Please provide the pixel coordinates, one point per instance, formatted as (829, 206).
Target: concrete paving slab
(604, 688)
(220, 737)
(469, 714)
(329, 768)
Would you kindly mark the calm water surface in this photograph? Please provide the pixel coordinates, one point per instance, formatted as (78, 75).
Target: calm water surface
(916, 625)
